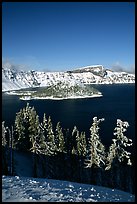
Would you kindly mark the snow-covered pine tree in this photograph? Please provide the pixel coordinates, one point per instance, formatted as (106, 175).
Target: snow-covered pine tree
(43, 131)
(81, 152)
(95, 151)
(4, 150)
(44, 140)
(117, 149)
(26, 127)
(51, 137)
(95, 157)
(34, 138)
(19, 130)
(22, 128)
(59, 138)
(4, 141)
(44, 149)
(75, 134)
(11, 166)
(81, 143)
(59, 159)
(33, 125)
(117, 156)
(51, 151)
(45, 126)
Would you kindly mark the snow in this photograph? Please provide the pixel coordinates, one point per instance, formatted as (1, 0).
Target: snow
(96, 67)
(28, 189)
(55, 98)
(26, 98)
(15, 79)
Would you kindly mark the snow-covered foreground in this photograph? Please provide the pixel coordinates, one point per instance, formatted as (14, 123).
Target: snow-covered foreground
(17, 189)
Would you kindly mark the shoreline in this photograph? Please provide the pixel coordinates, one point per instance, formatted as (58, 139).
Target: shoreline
(52, 98)
(108, 83)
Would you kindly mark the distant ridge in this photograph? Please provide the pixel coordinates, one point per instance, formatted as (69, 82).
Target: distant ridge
(15, 79)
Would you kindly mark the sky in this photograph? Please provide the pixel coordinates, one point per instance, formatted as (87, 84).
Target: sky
(60, 36)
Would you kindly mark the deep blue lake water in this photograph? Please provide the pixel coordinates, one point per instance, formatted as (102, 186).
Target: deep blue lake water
(118, 102)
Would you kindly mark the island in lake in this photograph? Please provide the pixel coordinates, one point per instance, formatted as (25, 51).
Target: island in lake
(60, 91)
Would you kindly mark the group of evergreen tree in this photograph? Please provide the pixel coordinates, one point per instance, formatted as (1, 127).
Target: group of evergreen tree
(65, 154)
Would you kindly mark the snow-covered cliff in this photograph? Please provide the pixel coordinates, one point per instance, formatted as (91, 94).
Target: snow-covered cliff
(13, 79)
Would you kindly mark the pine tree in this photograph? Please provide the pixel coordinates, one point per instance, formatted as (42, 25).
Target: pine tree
(26, 127)
(11, 133)
(59, 139)
(51, 137)
(117, 149)
(45, 125)
(81, 143)
(33, 125)
(19, 129)
(4, 141)
(95, 157)
(5, 150)
(117, 154)
(75, 134)
(35, 136)
(44, 140)
(96, 150)
(51, 150)
(81, 152)
(38, 140)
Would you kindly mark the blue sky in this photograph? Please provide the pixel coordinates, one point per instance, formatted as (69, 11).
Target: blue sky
(65, 35)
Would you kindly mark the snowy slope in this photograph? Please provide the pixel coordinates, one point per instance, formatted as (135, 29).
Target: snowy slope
(17, 189)
(13, 79)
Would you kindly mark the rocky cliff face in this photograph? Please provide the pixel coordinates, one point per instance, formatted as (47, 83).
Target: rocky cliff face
(13, 79)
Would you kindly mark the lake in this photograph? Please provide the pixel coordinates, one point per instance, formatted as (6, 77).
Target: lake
(118, 102)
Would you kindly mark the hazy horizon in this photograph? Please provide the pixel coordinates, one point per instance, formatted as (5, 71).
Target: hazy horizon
(28, 68)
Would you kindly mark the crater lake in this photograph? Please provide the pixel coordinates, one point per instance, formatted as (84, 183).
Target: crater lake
(118, 102)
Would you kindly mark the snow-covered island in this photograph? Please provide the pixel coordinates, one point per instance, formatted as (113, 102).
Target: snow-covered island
(61, 91)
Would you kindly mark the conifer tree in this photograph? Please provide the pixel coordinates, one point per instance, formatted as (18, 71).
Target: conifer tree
(117, 149)
(26, 127)
(81, 152)
(19, 129)
(96, 151)
(33, 125)
(5, 150)
(95, 157)
(36, 150)
(44, 140)
(118, 155)
(45, 125)
(4, 141)
(81, 143)
(59, 139)
(11, 133)
(51, 137)
(75, 134)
